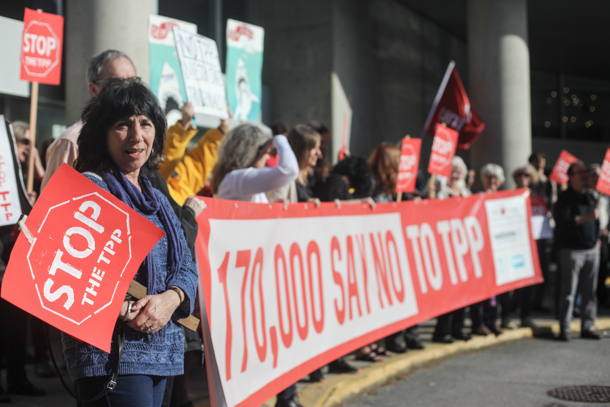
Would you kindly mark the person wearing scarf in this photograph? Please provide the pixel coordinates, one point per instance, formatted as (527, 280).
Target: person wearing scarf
(119, 146)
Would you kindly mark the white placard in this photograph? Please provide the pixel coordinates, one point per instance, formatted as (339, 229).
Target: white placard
(510, 241)
(201, 73)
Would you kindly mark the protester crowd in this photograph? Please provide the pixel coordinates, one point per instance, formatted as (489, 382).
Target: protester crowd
(289, 164)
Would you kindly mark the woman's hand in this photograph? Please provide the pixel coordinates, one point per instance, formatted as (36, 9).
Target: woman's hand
(314, 201)
(285, 201)
(154, 311)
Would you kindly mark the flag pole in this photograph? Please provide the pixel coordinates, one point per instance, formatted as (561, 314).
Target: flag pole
(33, 117)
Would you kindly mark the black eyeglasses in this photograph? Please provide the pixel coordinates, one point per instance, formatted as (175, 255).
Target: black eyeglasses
(132, 79)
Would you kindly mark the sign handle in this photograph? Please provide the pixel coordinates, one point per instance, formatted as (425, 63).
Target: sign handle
(33, 116)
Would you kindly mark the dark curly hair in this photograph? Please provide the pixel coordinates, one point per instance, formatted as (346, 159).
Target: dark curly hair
(118, 99)
(357, 170)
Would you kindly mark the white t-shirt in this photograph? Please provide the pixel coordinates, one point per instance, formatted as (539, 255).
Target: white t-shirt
(250, 184)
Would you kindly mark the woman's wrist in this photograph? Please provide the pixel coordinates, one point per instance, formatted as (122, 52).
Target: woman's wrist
(178, 291)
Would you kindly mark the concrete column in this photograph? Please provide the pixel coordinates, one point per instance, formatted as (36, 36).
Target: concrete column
(93, 26)
(499, 67)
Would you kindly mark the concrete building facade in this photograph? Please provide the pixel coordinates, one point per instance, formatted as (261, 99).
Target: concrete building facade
(536, 84)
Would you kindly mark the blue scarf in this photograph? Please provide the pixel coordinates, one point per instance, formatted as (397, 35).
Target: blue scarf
(148, 203)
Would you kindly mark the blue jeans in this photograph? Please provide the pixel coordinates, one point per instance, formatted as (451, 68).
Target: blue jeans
(131, 391)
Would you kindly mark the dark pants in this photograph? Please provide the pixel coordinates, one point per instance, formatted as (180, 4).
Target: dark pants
(397, 340)
(525, 298)
(450, 323)
(484, 313)
(288, 393)
(505, 300)
(602, 293)
(12, 340)
(544, 253)
(578, 271)
(131, 391)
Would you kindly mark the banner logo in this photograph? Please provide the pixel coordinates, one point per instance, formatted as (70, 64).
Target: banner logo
(160, 32)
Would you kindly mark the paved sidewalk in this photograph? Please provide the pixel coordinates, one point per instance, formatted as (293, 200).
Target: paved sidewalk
(336, 389)
(339, 388)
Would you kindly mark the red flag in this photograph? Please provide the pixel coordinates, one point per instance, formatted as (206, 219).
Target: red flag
(452, 107)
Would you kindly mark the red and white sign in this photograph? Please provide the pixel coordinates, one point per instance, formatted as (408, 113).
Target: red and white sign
(560, 170)
(10, 205)
(41, 47)
(86, 248)
(603, 182)
(409, 164)
(541, 223)
(452, 107)
(443, 151)
(286, 292)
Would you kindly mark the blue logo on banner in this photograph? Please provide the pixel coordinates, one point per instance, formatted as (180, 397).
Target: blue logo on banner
(517, 261)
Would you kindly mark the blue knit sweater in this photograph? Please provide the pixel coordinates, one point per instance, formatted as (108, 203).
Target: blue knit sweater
(159, 354)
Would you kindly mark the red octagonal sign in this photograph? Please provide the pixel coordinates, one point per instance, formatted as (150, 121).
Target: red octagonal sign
(77, 275)
(41, 47)
(84, 250)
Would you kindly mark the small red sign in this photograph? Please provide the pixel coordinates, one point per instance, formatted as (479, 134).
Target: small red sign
(443, 151)
(85, 249)
(409, 164)
(603, 182)
(41, 47)
(560, 170)
(538, 206)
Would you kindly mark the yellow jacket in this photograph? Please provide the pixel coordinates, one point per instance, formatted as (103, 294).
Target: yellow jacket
(191, 172)
(176, 140)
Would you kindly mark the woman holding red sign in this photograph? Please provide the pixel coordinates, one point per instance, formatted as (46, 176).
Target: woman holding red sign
(119, 147)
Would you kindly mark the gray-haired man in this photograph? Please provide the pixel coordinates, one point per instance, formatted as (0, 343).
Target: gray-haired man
(110, 64)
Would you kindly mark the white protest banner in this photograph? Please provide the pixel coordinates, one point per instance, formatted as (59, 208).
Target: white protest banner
(10, 205)
(201, 73)
(288, 291)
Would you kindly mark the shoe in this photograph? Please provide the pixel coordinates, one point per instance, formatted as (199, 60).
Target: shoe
(291, 402)
(444, 339)
(563, 337)
(25, 388)
(482, 330)
(316, 376)
(496, 330)
(417, 345)
(341, 366)
(397, 349)
(590, 335)
(528, 323)
(4, 398)
(462, 336)
(44, 370)
(507, 323)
